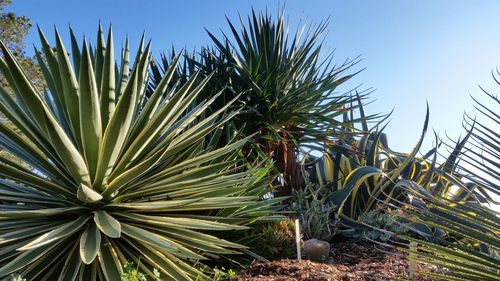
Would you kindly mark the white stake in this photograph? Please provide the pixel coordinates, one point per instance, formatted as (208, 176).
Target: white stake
(297, 238)
(412, 264)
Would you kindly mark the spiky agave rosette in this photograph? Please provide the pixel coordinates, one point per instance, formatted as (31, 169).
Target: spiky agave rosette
(116, 175)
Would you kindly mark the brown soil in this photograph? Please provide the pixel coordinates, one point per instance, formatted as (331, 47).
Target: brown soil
(349, 261)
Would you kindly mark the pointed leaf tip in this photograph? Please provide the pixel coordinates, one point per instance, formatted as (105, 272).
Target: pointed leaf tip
(107, 224)
(90, 242)
(87, 194)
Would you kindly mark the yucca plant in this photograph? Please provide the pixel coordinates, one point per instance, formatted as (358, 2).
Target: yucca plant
(116, 175)
(289, 87)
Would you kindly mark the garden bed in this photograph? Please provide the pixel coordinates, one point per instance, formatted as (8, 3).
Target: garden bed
(349, 261)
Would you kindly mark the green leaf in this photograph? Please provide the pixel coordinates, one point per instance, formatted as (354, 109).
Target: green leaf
(42, 213)
(88, 272)
(157, 241)
(75, 51)
(109, 261)
(119, 125)
(50, 57)
(26, 232)
(70, 87)
(35, 181)
(90, 242)
(88, 195)
(99, 55)
(71, 265)
(64, 230)
(163, 259)
(107, 224)
(107, 92)
(124, 70)
(90, 115)
(353, 181)
(25, 259)
(183, 223)
(27, 92)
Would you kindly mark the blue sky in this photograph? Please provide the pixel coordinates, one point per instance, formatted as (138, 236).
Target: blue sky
(414, 51)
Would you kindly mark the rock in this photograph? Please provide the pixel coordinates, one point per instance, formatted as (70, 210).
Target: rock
(316, 250)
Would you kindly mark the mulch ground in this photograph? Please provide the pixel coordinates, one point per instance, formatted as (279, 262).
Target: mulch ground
(349, 261)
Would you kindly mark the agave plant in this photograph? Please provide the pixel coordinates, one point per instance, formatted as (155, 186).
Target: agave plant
(116, 175)
(373, 172)
(471, 248)
(446, 204)
(478, 156)
(289, 87)
(357, 172)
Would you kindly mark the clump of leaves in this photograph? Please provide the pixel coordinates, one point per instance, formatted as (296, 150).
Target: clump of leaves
(215, 273)
(132, 273)
(384, 224)
(222, 274)
(273, 240)
(317, 214)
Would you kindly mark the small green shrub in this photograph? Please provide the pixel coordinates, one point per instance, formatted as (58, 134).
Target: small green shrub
(317, 214)
(384, 222)
(215, 274)
(274, 240)
(271, 240)
(222, 274)
(131, 273)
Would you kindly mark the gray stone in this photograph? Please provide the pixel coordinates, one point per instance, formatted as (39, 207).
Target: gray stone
(316, 250)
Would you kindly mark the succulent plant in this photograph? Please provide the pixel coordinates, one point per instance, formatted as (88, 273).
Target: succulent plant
(116, 176)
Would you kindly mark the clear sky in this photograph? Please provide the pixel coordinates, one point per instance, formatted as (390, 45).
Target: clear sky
(413, 51)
